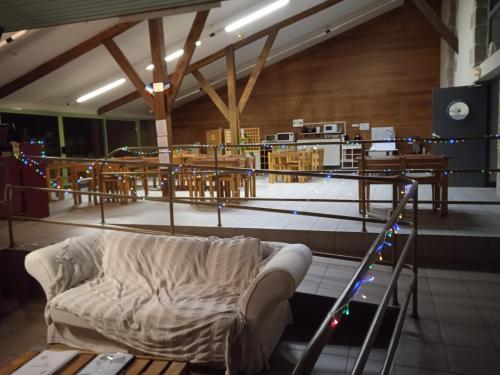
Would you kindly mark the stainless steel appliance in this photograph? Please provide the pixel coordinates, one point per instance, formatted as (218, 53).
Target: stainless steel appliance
(270, 138)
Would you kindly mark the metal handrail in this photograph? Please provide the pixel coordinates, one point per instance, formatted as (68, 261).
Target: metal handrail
(323, 334)
(170, 168)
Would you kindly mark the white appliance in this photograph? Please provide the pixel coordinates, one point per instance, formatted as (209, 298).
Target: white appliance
(285, 137)
(330, 128)
(386, 133)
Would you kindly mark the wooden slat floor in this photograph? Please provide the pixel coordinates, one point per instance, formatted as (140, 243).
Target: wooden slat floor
(141, 365)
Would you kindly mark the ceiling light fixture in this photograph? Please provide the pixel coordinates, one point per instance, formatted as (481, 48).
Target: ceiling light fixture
(256, 15)
(174, 55)
(13, 37)
(100, 90)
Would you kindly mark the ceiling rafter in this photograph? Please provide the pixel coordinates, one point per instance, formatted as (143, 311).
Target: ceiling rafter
(183, 63)
(222, 52)
(128, 69)
(64, 58)
(437, 23)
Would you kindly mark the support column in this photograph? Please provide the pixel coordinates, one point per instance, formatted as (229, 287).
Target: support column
(162, 114)
(234, 121)
(138, 132)
(105, 134)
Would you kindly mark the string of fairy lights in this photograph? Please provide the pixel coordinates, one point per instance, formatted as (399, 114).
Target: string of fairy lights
(345, 310)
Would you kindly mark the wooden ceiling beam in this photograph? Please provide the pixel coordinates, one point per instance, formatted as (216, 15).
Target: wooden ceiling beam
(128, 69)
(212, 94)
(160, 74)
(250, 39)
(118, 102)
(189, 47)
(259, 65)
(437, 23)
(63, 58)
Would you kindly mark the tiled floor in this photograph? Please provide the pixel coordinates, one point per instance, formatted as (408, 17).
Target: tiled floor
(458, 332)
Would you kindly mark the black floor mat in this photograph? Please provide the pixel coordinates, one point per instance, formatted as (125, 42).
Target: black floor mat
(309, 311)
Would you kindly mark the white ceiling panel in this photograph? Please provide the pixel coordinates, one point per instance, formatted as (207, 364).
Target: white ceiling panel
(59, 90)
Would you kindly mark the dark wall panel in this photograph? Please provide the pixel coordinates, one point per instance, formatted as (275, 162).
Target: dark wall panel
(84, 137)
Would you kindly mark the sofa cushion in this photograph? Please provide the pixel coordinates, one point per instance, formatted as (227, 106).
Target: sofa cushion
(165, 295)
(233, 261)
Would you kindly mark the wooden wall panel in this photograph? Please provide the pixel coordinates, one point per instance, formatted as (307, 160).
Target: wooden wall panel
(381, 72)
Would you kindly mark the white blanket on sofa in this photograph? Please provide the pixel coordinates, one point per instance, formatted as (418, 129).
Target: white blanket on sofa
(171, 296)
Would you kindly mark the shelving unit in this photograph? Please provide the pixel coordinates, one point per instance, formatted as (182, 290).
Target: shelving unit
(350, 153)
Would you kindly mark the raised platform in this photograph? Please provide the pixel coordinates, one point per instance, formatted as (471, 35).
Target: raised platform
(469, 237)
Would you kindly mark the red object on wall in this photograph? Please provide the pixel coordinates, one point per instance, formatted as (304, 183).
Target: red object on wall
(35, 203)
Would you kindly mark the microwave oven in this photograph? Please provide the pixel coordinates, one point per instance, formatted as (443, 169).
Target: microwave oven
(330, 128)
(270, 138)
(285, 137)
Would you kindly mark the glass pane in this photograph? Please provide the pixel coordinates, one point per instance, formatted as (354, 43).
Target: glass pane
(84, 137)
(148, 133)
(120, 134)
(495, 29)
(36, 128)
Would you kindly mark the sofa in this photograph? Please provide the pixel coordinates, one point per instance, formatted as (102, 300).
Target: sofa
(212, 301)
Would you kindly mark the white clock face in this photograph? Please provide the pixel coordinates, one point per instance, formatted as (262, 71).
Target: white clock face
(458, 110)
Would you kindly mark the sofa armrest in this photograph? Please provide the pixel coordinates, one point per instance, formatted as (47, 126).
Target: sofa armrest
(276, 282)
(63, 265)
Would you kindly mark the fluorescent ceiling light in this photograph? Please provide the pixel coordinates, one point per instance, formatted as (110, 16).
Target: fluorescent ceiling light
(100, 90)
(174, 55)
(256, 15)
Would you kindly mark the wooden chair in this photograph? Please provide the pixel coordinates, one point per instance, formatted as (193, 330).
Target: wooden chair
(437, 179)
(55, 177)
(390, 165)
(82, 175)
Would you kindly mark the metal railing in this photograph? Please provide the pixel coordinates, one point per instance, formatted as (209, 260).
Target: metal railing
(333, 318)
(169, 170)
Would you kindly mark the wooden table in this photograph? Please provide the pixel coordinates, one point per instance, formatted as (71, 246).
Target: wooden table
(144, 365)
(414, 162)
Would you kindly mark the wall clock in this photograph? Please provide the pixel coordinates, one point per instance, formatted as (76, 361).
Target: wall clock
(458, 110)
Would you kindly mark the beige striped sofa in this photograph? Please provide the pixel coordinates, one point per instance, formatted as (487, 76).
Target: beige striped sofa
(221, 302)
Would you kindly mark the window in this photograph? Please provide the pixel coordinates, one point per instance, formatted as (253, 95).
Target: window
(494, 24)
(148, 133)
(84, 137)
(36, 128)
(120, 134)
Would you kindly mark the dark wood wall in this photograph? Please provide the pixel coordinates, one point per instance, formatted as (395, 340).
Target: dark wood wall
(381, 72)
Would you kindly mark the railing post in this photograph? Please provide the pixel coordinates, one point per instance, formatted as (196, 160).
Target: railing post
(101, 199)
(364, 210)
(8, 198)
(415, 254)
(395, 200)
(219, 221)
(171, 195)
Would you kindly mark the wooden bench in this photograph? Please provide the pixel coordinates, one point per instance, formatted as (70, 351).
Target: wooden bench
(141, 364)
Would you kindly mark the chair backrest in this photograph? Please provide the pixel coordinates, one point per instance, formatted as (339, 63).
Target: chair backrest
(390, 163)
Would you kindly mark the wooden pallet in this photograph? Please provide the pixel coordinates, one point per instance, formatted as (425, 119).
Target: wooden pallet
(143, 365)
